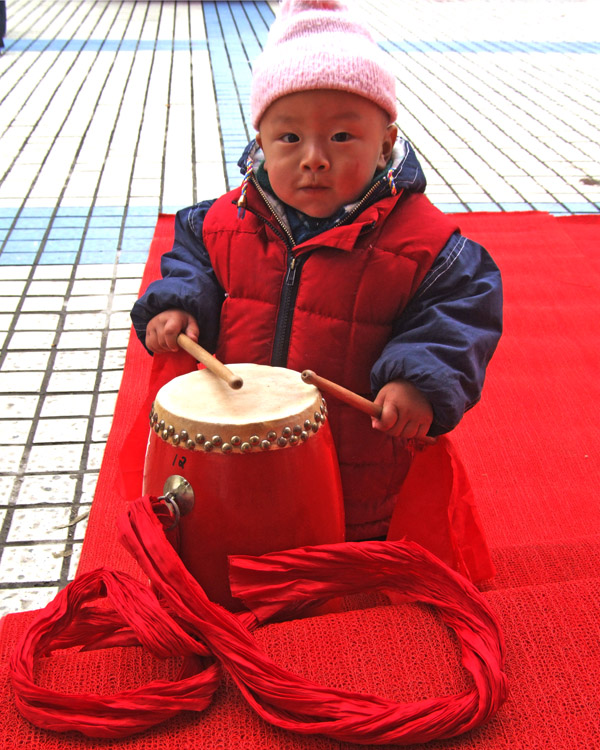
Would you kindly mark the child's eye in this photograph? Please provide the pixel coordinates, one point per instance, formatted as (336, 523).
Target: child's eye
(341, 137)
(290, 138)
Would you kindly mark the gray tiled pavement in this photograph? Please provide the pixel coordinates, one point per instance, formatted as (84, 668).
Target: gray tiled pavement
(113, 111)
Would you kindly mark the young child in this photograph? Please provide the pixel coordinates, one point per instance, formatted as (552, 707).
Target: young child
(329, 257)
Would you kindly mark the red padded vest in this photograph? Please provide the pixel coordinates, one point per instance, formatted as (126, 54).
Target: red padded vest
(352, 283)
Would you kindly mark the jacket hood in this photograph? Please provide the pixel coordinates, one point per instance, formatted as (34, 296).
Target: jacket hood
(408, 174)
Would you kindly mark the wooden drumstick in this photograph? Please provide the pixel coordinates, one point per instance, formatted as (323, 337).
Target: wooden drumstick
(211, 363)
(353, 399)
(348, 397)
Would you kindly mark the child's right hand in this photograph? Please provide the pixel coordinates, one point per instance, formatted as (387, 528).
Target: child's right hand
(163, 329)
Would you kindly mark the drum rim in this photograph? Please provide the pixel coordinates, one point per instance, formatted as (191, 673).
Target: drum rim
(265, 434)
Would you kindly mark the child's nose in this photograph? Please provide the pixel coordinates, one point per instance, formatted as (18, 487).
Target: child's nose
(314, 158)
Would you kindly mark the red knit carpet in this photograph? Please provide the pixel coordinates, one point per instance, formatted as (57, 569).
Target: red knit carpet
(532, 451)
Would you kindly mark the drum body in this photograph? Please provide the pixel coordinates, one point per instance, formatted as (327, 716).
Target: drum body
(261, 463)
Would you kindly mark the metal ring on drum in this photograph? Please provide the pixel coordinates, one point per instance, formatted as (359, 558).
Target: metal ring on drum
(260, 464)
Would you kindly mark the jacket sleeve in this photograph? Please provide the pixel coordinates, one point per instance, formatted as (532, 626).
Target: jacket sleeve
(188, 281)
(447, 334)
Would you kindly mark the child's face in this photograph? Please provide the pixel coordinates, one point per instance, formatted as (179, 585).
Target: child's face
(322, 148)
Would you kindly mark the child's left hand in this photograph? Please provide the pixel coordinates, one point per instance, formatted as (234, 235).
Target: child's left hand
(406, 413)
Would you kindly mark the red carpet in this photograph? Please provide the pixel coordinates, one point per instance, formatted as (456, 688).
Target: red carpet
(531, 448)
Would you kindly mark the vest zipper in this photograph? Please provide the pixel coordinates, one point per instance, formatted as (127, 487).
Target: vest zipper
(282, 226)
(358, 206)
(285, 315)
(289, 292)
(291, 274)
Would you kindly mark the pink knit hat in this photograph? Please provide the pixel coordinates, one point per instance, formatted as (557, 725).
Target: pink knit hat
(316, 44)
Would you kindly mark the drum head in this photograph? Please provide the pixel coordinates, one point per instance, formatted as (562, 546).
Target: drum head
(274, 408)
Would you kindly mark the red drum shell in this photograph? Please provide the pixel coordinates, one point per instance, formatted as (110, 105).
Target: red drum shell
(253, 501)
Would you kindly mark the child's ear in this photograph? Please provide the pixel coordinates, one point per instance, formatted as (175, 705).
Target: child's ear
(387, 146)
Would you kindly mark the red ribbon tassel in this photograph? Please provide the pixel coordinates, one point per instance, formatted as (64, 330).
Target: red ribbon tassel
(277, 584)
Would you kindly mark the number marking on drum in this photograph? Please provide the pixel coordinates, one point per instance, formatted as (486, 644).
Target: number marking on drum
(181, 462)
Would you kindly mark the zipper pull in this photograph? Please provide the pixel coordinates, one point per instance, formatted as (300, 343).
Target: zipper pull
(291, 274)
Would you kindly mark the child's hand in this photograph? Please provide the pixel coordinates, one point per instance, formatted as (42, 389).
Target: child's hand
(163, 329)
(406, 412)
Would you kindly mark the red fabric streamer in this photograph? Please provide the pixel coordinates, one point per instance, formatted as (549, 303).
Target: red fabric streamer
(277, 584)
(445, 519)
